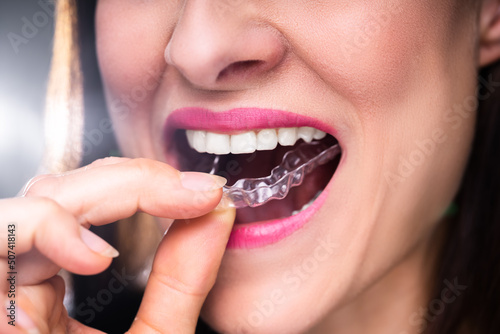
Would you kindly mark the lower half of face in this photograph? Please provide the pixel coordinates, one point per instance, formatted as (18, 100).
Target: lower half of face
(392, 84)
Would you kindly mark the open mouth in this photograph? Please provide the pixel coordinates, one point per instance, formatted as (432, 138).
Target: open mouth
(253, 154)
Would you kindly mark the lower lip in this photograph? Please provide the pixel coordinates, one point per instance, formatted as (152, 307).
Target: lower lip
(260, 234)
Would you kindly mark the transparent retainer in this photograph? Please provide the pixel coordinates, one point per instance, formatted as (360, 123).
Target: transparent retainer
(296, 164)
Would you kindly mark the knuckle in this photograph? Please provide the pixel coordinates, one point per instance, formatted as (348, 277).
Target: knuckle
(177, 285)
(48, 209)
(51, 216)
(107, 161)
(141, 166)
(151, 328)
(145, 168)
(42, 185)
(97, 163)
(48, 206)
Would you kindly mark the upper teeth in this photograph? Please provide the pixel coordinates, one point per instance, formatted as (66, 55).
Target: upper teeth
(249, 142)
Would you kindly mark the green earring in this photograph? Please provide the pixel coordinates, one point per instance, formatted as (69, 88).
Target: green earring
(452, 210)
(115, 153)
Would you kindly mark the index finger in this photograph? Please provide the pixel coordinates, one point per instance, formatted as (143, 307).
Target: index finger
(111, 192)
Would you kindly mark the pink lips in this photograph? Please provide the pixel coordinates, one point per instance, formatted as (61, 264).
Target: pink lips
(261, 234)
(257, 234)
(237, 120)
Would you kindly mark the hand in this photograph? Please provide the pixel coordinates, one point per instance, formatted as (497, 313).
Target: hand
(51, 221)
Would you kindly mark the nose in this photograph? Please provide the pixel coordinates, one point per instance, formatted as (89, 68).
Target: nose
(213, 49)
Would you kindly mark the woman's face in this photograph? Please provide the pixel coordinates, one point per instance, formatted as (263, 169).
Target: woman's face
(393, 81)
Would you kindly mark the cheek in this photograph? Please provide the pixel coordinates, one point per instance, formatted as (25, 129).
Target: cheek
(395, 66)
(374, 54)
(379, 56)
(130, 46)
(397, 69)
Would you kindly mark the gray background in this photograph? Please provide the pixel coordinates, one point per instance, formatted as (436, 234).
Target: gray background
(23, 77)
(23, 81)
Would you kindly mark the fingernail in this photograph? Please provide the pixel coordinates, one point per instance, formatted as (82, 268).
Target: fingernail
(24, 321)
(202, 181)
(97, 244)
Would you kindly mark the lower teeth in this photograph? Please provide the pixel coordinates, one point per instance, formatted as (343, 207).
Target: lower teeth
(308, 204)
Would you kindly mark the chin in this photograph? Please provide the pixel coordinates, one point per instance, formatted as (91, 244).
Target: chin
(264, 307)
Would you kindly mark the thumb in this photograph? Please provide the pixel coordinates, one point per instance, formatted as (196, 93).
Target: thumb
(184, 271)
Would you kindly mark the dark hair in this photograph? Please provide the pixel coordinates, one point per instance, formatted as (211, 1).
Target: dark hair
(472, 249)
(467, 283)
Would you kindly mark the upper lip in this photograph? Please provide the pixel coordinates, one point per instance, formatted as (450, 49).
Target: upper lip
(234, 121)
(241, 119)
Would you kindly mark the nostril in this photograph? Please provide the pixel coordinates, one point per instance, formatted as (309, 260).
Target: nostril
(240, 68)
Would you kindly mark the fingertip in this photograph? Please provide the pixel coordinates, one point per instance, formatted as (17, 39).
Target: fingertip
(75, 249)
(97, 244)
(99, 254)
(185, 204)
(224, 213)
(226, 204)
(201, 181)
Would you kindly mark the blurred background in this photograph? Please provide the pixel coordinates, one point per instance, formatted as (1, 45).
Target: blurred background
(26, 29)
(24, 65)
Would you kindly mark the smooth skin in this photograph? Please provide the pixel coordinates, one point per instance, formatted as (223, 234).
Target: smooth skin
(54, 208)
(373, 98)
(384, 74)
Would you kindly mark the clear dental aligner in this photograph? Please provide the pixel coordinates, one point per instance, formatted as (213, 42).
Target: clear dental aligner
(253, 192)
